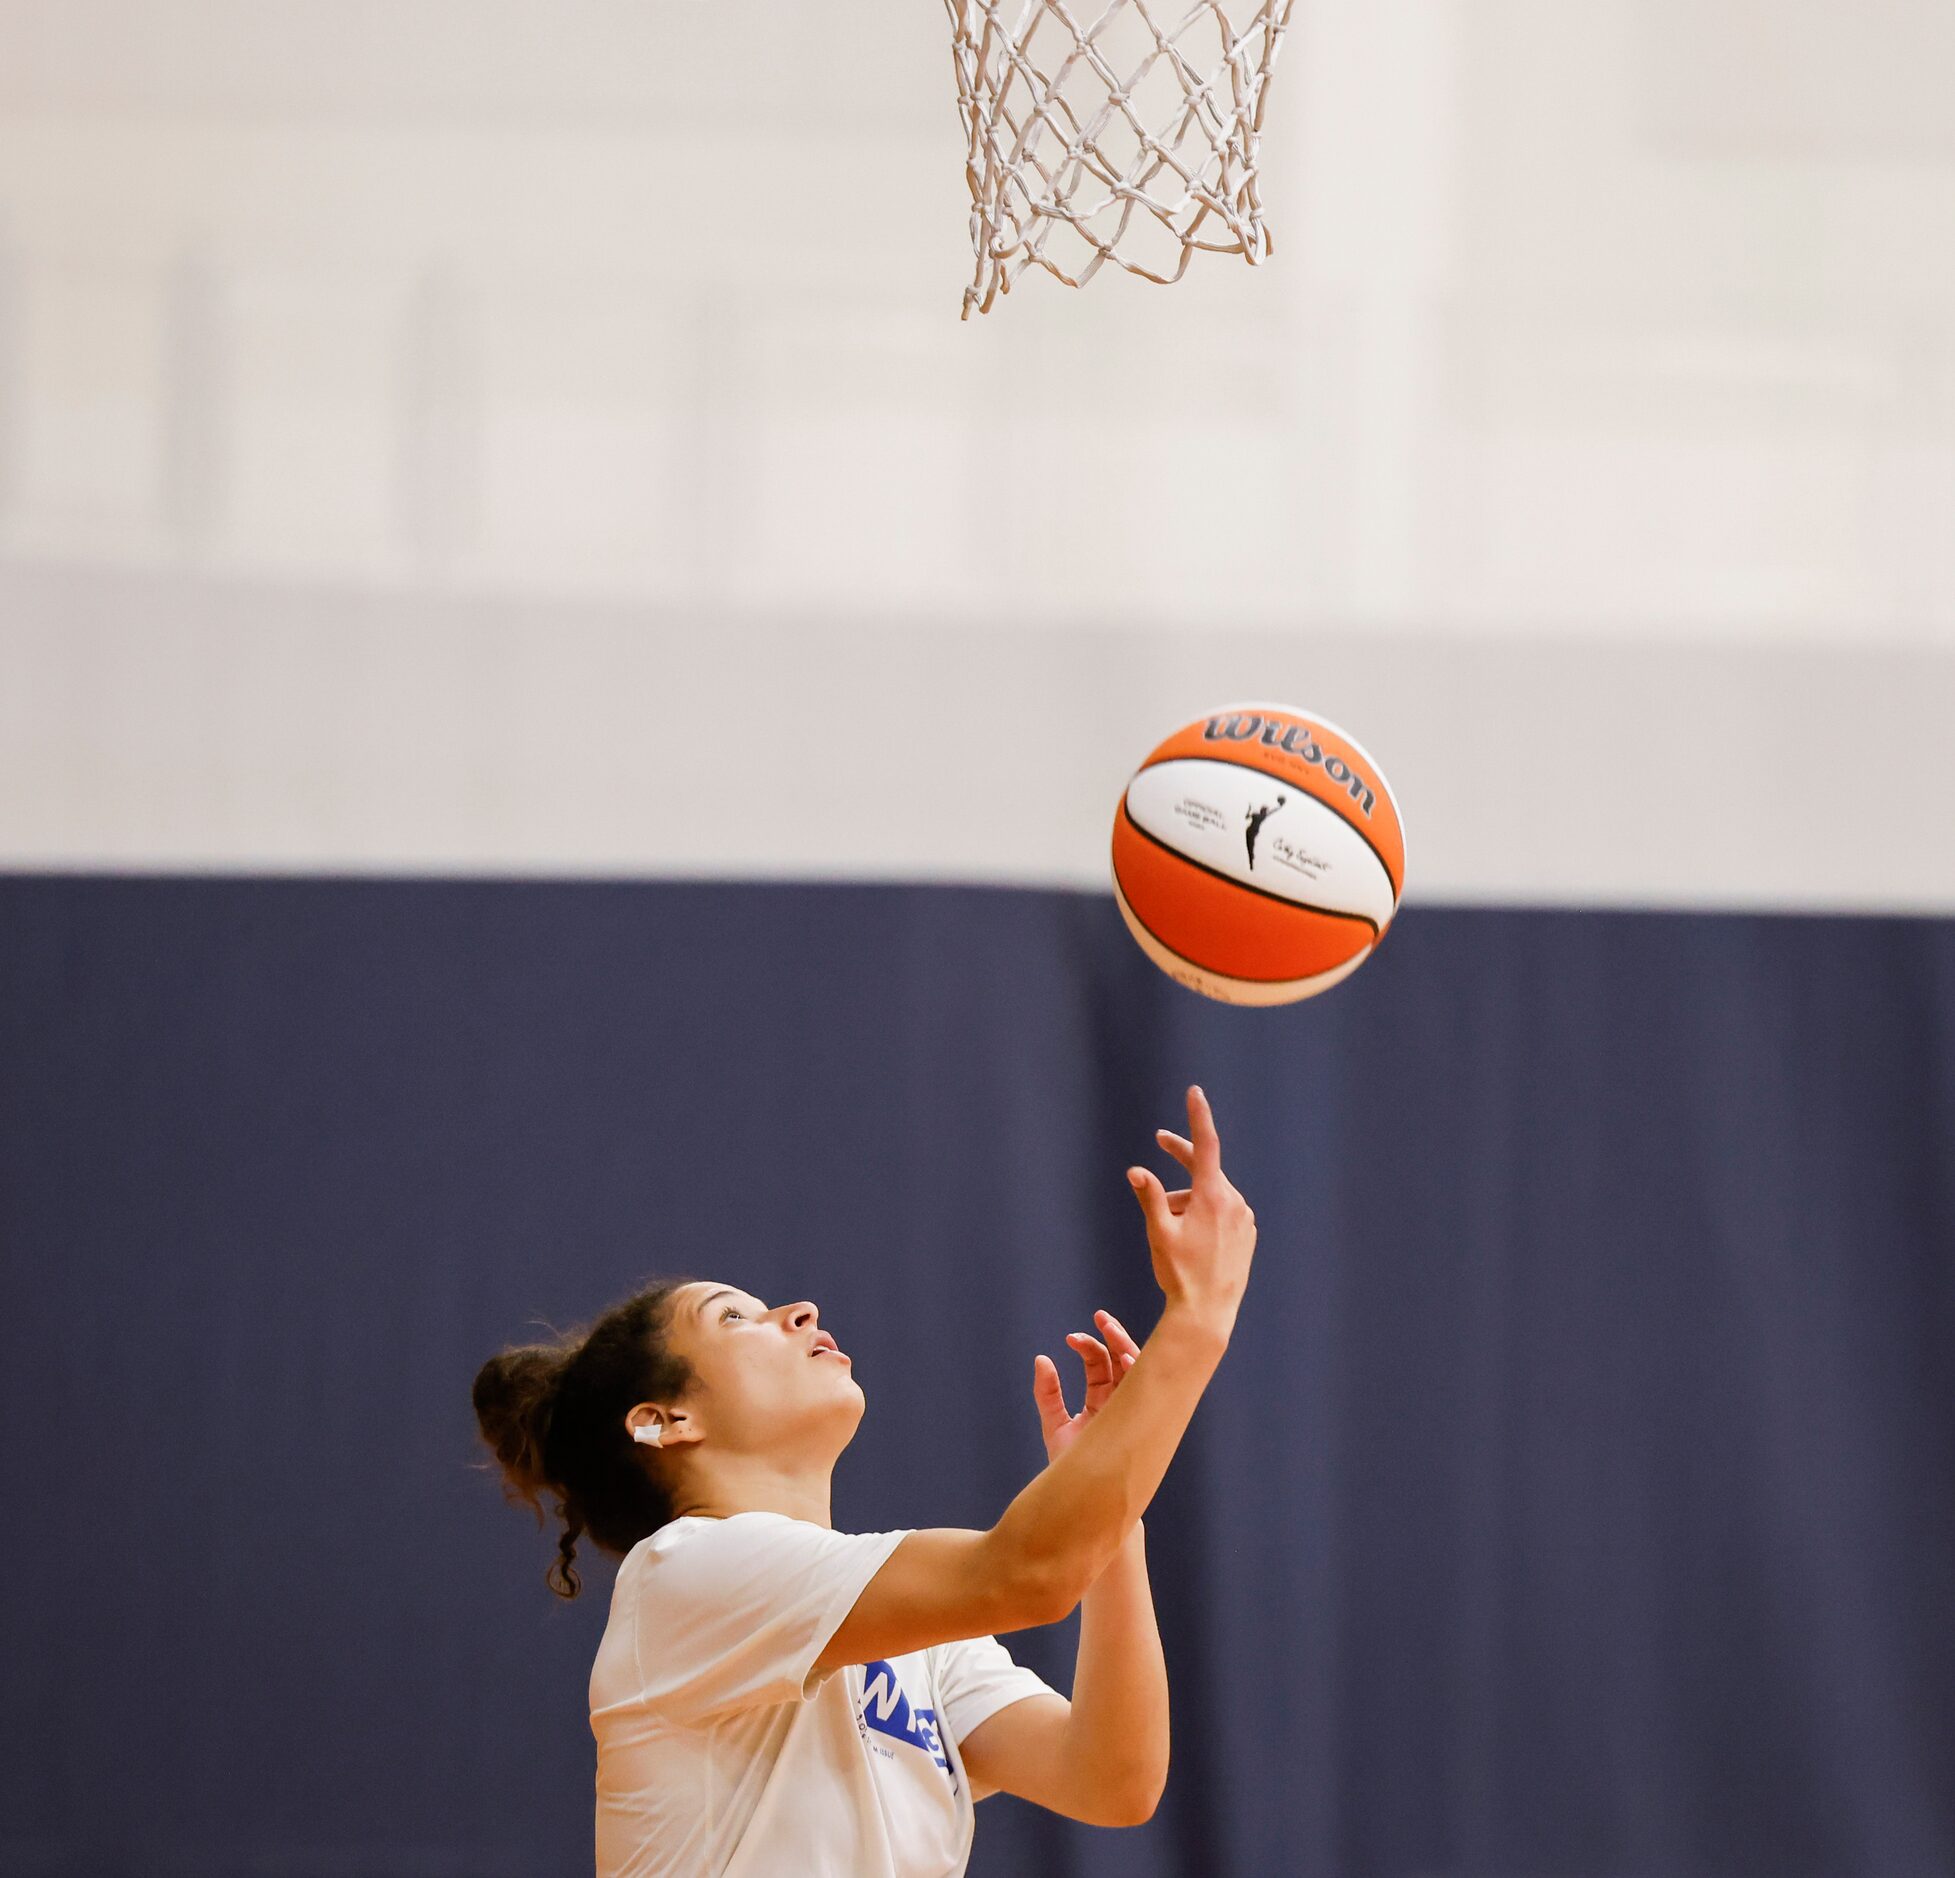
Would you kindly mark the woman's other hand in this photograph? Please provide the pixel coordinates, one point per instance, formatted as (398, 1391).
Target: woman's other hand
(1105, 1364)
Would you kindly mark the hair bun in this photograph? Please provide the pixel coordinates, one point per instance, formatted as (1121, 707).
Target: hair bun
(554, 1413)
(515, 1394)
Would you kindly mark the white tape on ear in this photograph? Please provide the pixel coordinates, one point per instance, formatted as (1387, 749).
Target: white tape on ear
(649, 1433)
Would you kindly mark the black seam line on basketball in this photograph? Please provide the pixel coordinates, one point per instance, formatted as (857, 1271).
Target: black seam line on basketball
(1236, 978)
(1249, 886)
(1256, 769)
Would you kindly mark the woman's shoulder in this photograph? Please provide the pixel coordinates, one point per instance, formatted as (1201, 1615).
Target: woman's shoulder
(745, 1561)
(698, 1536)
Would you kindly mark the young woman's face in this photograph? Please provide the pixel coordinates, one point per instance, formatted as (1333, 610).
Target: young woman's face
(767, 1375)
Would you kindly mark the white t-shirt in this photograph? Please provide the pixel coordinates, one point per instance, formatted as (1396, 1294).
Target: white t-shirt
(722, 1754)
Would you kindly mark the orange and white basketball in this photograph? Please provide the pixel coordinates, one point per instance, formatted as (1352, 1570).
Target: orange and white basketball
(1258, 856)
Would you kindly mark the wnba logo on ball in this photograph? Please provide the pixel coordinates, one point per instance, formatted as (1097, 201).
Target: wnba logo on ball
(1295, 740)
(1256, 817)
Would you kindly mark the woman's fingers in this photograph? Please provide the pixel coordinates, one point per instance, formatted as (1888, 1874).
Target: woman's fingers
(1115, 1333)
(1092, 1353)
(1152, 1196)
(1050, 1395)
(1201, 1156)
(1179, 1146)
(1206, 1142)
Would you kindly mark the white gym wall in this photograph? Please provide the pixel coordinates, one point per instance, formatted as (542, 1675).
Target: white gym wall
(478, 436)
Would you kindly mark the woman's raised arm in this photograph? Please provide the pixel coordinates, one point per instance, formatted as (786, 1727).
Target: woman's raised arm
(1059, 1534)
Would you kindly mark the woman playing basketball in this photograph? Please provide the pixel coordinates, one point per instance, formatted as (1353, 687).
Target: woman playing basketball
(774, 1699)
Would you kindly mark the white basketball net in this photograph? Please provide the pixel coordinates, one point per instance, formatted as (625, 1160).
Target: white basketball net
(1112, 130)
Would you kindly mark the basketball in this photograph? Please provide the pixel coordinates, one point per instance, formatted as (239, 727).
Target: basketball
(1258, 856)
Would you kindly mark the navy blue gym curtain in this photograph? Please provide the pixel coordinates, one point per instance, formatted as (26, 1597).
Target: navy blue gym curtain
(1577, 1500)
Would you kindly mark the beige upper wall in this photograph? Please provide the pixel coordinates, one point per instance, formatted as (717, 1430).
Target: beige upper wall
(1594, 324)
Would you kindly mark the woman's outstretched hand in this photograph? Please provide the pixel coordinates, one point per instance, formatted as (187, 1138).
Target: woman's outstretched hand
(1104, 1368)
(1203, 1236)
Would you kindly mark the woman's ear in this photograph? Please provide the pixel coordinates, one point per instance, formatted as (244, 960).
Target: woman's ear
(654, 1427)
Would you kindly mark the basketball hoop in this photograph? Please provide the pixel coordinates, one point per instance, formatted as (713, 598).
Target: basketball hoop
(1112, 130)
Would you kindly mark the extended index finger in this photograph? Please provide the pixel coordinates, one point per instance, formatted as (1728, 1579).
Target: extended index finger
(1201, 1129)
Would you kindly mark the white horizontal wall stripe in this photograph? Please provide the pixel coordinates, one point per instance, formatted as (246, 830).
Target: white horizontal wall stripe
(150, 721)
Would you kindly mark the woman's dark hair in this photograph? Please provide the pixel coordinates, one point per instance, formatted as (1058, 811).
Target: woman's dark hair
(554, 1414)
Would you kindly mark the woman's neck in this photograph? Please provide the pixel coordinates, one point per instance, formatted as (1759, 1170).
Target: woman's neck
(730, 1484)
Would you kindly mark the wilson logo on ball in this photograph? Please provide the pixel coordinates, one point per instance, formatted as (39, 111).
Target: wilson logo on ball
(1296, 740)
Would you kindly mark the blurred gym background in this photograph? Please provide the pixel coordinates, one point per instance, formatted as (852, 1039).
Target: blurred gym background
(559, 716)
